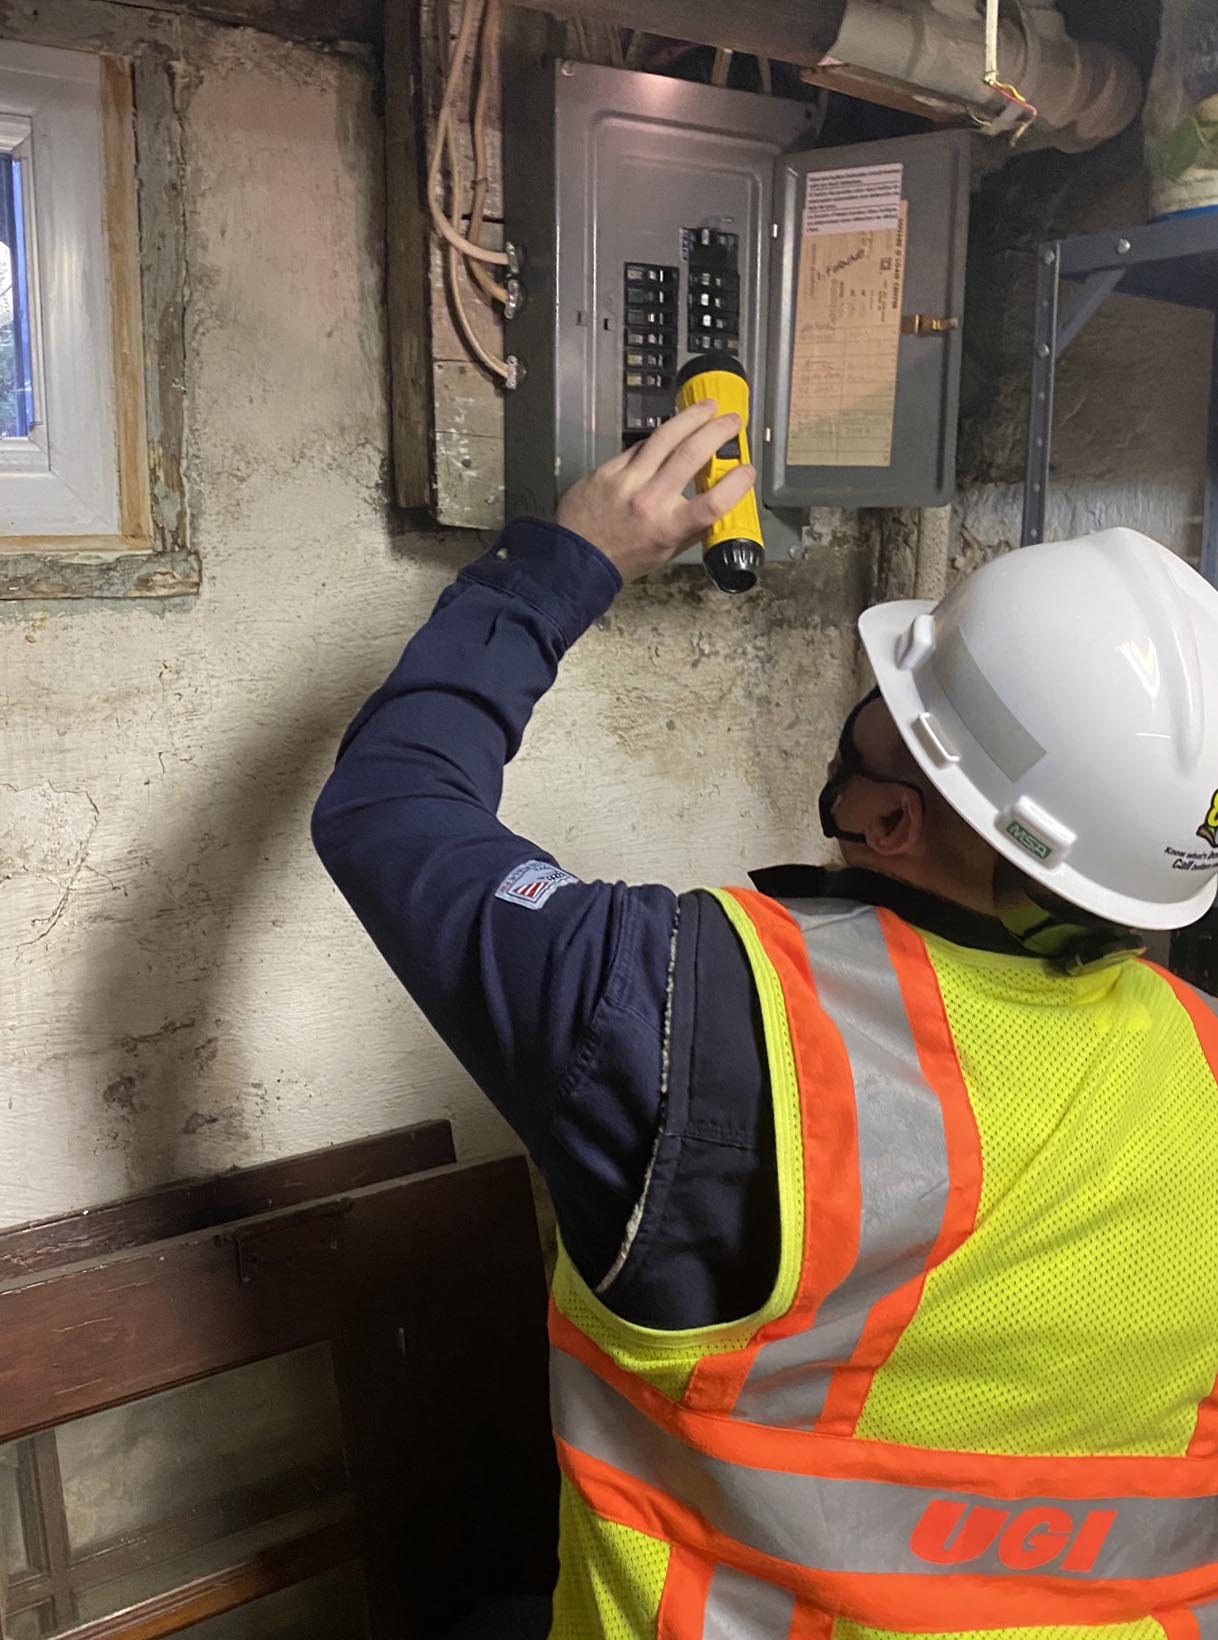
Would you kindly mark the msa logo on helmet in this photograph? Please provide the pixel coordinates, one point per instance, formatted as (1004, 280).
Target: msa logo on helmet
(1029, 840)
(951, 1533)
(1208, 829)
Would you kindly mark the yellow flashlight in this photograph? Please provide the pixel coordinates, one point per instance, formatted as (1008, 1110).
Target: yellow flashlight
(732, 549)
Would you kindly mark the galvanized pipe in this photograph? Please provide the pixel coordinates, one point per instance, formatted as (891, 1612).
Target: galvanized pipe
(795, 31)
(1086, 91)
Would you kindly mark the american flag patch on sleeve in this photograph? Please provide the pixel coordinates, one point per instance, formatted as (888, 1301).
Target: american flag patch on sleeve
(532, 884)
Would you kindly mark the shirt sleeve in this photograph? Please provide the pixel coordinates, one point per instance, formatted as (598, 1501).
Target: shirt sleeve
(550, 991)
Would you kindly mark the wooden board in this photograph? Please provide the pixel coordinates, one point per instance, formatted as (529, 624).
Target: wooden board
(416, 1285)
(407, 237)
(322, 20)
(199, 1204)
(438, 20)
(436, 384)
(458, 470)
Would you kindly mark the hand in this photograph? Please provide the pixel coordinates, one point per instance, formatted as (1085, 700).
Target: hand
(634, 507)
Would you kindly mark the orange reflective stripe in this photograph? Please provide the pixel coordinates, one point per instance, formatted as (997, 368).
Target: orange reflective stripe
(1201, 1011)
(902, 1601)
(1178, 1625)
(1204, 1442)
(803, 1452)
(830, 1145)
(940, 1063)
(811, 1624)
(1199, 1623)
(683, 1604)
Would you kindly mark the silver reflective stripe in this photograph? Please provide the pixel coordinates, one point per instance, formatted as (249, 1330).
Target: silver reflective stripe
(903, 1171)
(983, 712)
(865, 1526)
(744, 1608)
(1207, 1620)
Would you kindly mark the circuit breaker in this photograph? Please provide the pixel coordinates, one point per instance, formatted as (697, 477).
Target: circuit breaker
(659, 219)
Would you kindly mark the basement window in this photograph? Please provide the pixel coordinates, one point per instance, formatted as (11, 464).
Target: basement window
(18, 404)
(73, 458)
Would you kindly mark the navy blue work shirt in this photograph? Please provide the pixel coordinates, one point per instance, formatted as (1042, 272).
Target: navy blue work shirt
(574, 1006)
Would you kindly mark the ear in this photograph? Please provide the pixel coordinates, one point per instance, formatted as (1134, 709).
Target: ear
(899, 822)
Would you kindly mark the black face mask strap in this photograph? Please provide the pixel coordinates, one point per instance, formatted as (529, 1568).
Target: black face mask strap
(849, 763)
(850, 767)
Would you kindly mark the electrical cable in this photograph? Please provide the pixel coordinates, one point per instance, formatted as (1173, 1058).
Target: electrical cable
(1012, 93)
(487, 55)
(497, 367)
(461, 45)
(465, 254)
(456, 266)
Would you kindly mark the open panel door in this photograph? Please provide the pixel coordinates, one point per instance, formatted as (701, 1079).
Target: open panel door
(866, 315)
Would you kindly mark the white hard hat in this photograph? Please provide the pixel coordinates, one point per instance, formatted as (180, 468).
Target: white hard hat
(1064, 700)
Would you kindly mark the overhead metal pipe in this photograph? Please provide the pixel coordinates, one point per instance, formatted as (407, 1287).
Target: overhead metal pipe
(1085, 91)
(796, 31)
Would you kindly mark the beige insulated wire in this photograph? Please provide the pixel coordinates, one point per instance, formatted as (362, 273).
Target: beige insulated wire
(487, 56)
(465, 34)
(458, 246)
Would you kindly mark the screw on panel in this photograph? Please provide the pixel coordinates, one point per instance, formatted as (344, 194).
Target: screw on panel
(1123, 247)
(1043, 350)
(567, 70)
(1048, 256)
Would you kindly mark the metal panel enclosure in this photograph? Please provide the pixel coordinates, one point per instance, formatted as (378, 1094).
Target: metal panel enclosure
(934, 187)
(614, 179)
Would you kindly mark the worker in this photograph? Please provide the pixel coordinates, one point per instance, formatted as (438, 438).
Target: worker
(887, 1300)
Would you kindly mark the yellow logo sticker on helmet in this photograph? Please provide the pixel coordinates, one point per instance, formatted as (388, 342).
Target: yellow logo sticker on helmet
(1208, 830)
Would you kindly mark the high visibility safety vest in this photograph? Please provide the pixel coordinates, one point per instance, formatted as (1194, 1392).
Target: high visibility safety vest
(981, 1396)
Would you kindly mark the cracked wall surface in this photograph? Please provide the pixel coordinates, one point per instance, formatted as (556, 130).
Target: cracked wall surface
(184, 990)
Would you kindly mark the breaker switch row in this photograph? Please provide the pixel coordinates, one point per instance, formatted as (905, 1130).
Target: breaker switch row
(651, 340)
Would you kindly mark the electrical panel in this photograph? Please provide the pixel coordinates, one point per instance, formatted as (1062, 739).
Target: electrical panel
(642, 205)
(658, 219)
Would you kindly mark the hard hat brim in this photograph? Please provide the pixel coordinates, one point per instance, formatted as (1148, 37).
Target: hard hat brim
(883, 630)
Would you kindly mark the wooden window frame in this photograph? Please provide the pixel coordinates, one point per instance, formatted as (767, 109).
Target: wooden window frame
(149, 555)
(79, 481)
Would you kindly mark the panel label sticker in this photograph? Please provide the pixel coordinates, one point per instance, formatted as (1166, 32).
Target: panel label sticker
(846, 344)
(850, 201)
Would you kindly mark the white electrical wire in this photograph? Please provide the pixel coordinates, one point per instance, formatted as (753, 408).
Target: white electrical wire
(991, 41)
(1012, 93)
